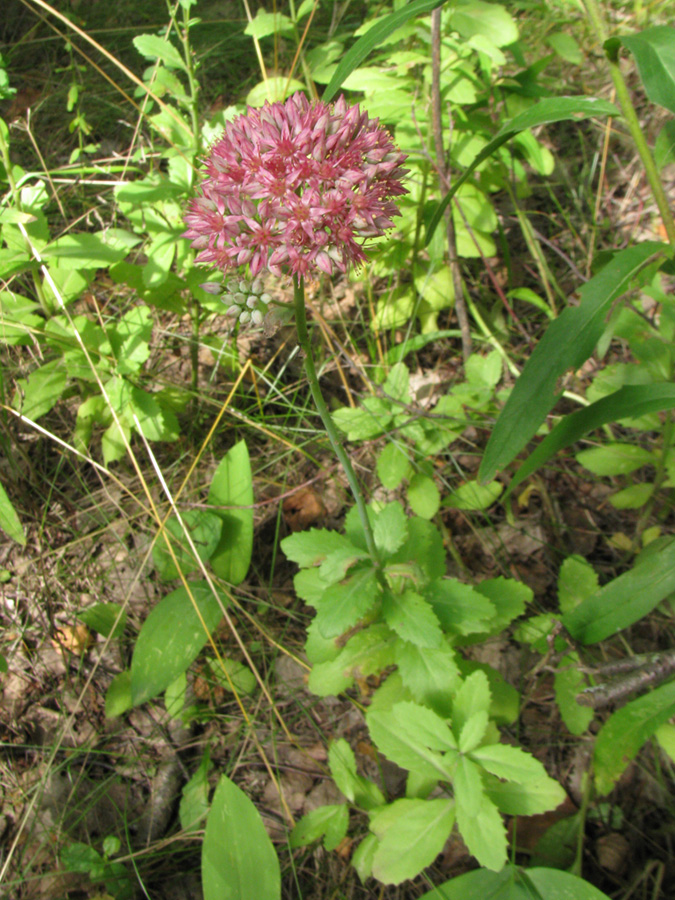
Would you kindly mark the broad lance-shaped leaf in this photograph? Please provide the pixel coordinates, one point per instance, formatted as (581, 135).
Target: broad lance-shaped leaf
(627, 598)
(378, 33)
(625, 732)
(555, 109)
(411, 834)
(238, 859)
(654, 52)
(567, 344)
(513, 883)
(484, 834)
(232, 486)
(630, 401)
(9, 521)
(171, 638)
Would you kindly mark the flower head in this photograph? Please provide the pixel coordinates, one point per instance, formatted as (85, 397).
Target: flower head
(296, 187)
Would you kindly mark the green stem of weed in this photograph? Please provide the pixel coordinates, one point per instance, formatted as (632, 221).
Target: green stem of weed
(628, 109)
(322, 409)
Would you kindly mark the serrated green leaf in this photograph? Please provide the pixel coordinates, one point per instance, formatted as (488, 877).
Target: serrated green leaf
(509, 597)
(473, 696)
(310, 548)
(473, 731)
(473, 495)
(411, 834)
(533, 797)
(460, 608)
(510, 763)
(392, 466)
(390, 529)
(356, 788)
(336, 565)
(37, 394)
(415, 738)
(343, 605)
(153, 47)
(369, 651)
(365, 422)
(467, 787)
(431, 674)
(328, 822)
(484, 834)
(412, 618)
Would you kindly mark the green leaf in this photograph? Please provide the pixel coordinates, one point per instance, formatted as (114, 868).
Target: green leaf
(204, 529)
(194, 801)
(78, 857)
(484, 834)
(633, 497)
(266, 24)
(544, 112)
(232, 675)
(310, 548)
(567, 343)
(375, 36)
(153, 47)
(509, 598)
(412, 618)
(411, 834)
(414, 738)
(531, 798)
(621, 737)
(369, 651)
(397, 383)
(568, 683)
(118, 696)
(423, 495)
(566, 47)
(109, 619)
(336, 565)
(238, 859)
(343, 605)
(390, 529)
(577, 581)
(431, 674)
(491, 20)
(514, 884)
(232, 486)
(85, 251)
(615, 459)
(664, 146)
(627, 598)
(43, 388)
(362, 858)
(468, 787)
(460, 608)
(473, 731)
(472, 697)
(357, 790)
(367, 421)
(130, 339)
(328, 822)
(654, 52)
(171, 638)
(473, 495)
(508, 762)
(9, 521)
(393, 466)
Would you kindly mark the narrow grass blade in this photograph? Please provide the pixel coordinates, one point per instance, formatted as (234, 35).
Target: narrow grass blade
(567, 344)
(628, 402)
(554, 109)
(378, 33)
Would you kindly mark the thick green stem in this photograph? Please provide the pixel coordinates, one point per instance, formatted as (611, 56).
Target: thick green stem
(322, 409)
(624, 98)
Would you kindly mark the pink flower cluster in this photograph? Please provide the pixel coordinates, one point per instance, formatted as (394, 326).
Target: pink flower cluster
(295, 187)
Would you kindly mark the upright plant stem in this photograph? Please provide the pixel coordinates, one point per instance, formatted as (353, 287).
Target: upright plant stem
(624, 98)
(444, 176)
(322, 409)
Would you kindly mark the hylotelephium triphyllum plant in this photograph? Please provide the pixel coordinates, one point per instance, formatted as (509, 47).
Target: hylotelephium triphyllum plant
(295, 189)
